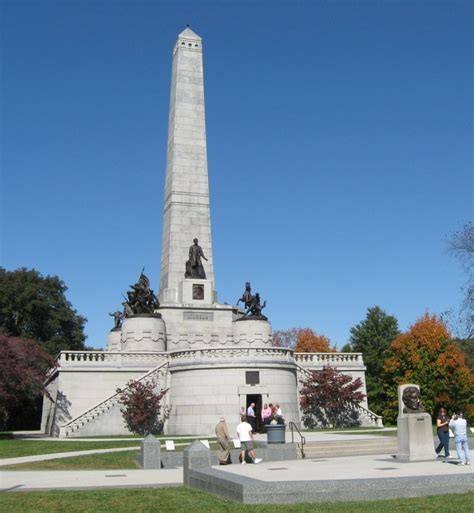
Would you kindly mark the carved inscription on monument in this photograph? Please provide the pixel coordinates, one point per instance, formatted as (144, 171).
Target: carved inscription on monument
(198, 291)
(198, 316)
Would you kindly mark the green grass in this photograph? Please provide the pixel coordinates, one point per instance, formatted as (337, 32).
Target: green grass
(182, 499)
(106, 461)
(17, 447)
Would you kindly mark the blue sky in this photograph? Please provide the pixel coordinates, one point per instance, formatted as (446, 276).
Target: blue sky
(339, 148)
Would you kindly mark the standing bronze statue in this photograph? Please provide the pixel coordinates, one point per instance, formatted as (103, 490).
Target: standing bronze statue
(194, 267)
(118, 316)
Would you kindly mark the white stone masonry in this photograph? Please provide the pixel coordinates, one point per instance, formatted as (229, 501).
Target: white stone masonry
(186, 203)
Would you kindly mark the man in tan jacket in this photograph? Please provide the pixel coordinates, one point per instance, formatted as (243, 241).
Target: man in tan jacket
(223, 439)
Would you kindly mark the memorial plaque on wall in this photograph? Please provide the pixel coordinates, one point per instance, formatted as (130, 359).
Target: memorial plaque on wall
(198, 291)
(252, 377)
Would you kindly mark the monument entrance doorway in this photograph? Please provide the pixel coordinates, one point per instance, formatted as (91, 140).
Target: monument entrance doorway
(257, 399)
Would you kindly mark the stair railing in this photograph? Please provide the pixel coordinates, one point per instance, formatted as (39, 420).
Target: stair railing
(294, 428)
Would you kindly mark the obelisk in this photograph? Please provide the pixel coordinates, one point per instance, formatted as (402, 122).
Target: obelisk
(186, 203)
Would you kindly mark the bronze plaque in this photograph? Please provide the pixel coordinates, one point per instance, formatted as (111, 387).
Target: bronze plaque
(198, 291)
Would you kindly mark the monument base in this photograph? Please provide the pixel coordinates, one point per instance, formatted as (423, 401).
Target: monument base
(145, 332)
(415, 437)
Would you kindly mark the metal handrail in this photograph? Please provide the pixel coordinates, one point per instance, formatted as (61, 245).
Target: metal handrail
(293, 427)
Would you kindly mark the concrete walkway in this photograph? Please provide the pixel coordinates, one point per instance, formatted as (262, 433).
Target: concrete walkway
(352, 467)
(15, 481)
(310, 471)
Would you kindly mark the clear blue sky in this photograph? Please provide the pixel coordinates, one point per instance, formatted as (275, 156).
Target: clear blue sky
(339, 146)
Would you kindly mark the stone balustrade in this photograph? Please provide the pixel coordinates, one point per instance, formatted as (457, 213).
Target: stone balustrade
(110, 358)
(231, 355)
(318, 360)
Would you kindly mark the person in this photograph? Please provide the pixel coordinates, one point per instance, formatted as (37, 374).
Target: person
(273, 408)
(443, 433)
(223, 440)
(251, 418)
(278, 410)
(459, 426)
(244, 434)
(266, 414)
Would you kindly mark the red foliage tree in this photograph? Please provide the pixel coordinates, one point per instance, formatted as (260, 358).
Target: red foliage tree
(427, 355)
(23, 367)
(330, 398)
(141, 407)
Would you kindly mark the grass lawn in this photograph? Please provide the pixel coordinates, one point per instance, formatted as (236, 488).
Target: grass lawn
(18, 447)
(182, 499)
(106, 461)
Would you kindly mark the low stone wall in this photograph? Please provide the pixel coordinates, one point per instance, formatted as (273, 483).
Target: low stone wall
(274, 452)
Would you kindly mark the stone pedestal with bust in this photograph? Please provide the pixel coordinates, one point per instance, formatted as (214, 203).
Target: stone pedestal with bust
(414, 430)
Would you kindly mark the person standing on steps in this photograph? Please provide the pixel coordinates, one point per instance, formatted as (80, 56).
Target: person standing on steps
(251, 418)
(244, 433)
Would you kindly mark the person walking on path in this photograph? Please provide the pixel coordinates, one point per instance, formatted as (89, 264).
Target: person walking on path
(442, 424)
(459, 425)
(223, 440)
(244, 433)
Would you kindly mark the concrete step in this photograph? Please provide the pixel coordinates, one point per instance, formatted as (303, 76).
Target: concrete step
(350, 447)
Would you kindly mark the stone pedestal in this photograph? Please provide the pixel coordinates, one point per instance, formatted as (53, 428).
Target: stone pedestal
(252, 332)
(113, 340)
(150, 455)
(415, 437)
(196, 456)
(143, 333)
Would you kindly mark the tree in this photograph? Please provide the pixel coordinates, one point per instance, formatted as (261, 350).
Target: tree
(330, 398)
(23, 367)
(427, 356)
(461, 245)
(141, 407)
(285, 338)
(302, 340)
(35, 307)
(372, 337)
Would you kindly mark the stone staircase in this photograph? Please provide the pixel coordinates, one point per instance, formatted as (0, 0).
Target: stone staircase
(367, 418)
(98, 419)
(332, 448)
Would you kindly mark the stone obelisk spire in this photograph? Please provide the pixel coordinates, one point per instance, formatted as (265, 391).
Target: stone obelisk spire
(186, 203)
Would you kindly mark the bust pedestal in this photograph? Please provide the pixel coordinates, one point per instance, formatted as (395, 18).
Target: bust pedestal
(415, 437)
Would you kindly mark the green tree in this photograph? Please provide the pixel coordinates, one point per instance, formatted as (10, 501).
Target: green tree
(35, 307)
(372, 337)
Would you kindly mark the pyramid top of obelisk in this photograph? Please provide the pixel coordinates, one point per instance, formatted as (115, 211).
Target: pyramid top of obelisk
(189, 34)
